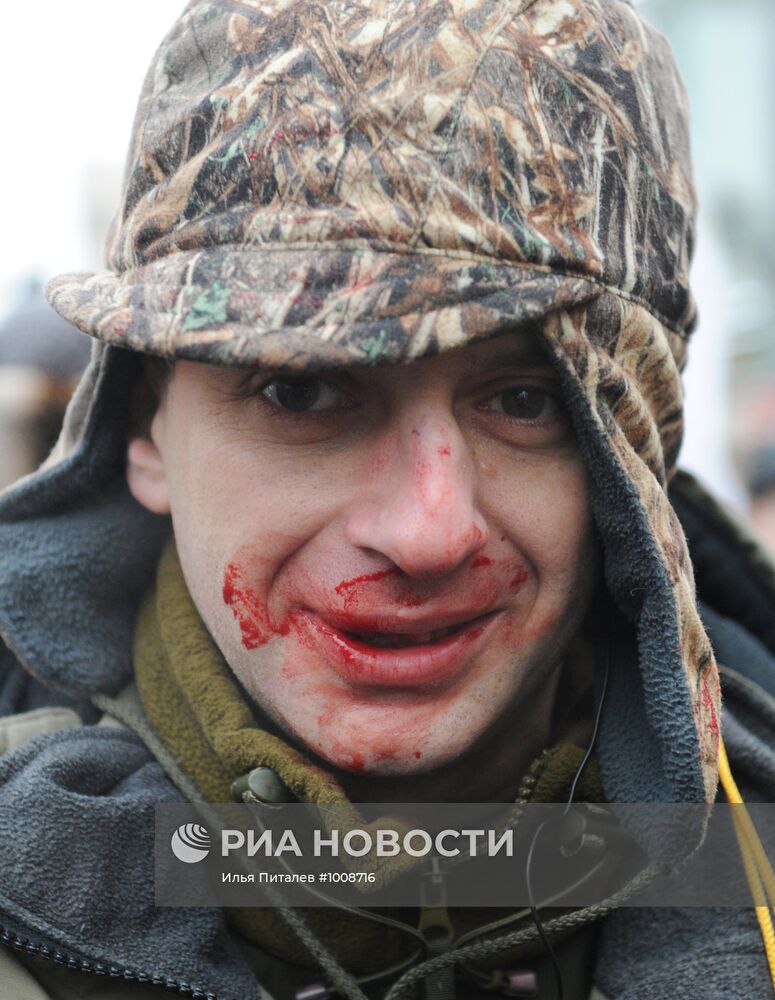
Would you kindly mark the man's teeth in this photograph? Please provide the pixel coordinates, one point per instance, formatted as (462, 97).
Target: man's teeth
(390, 640)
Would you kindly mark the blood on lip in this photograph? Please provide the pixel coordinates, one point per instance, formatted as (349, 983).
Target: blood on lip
(257, 629)
(350, 642)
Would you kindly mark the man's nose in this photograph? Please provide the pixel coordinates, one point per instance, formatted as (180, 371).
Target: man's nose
(419, 506)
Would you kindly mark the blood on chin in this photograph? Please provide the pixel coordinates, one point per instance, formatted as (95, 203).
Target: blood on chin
(379, 731)
(392, 750)
(388, 731)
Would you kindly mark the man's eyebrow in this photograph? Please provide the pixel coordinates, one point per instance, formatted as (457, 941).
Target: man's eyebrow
(527, 355)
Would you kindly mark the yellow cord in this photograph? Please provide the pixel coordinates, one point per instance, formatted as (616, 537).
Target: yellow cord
(758, 869)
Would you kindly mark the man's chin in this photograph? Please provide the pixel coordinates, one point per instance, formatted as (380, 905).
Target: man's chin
(388, 755)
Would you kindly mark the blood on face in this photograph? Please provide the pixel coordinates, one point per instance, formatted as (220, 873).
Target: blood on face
(249, 610)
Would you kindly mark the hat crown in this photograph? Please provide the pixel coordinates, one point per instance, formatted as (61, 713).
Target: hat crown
(543, 133)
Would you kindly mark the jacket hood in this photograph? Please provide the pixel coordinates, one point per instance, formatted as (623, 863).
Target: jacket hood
(371, 183)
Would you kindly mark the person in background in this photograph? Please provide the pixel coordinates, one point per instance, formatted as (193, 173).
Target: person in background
(41, 359)
(761, 490)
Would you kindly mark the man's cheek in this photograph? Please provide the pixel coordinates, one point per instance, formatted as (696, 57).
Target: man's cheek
(515, 635)
(243, 591)
(248, 608)
(260, 673)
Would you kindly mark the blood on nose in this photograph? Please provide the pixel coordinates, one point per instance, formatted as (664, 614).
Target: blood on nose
(418, 508)
(437, 525)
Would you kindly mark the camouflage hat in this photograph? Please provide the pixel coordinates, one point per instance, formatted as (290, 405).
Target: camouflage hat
(365, 182)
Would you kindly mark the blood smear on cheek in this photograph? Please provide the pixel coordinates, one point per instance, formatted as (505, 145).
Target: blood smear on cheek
(249, 610)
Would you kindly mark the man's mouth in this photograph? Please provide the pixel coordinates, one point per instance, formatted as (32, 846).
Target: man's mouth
(391, 652)
(399, 640)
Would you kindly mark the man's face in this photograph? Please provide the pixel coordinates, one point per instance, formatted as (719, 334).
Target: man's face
(391, 560)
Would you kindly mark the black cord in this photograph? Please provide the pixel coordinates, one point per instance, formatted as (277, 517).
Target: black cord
(595, 728)
(528, 880)
(537, 919)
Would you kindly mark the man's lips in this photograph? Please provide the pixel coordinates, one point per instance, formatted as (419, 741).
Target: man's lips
(398, 640)
(397, 634)
(387, 623)
(392, 651)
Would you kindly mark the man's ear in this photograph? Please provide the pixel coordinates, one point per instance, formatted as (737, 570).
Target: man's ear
(146, 475)
(145, 472)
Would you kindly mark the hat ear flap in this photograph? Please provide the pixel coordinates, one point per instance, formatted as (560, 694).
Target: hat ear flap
(661, 716)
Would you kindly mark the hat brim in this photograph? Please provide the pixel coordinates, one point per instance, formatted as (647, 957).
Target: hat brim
(311, 307)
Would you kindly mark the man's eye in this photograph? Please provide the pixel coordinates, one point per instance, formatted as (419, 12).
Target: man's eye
(303, 395)
(525, 402)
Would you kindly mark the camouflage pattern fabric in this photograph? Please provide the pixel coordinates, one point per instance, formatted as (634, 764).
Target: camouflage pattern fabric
(374, 181)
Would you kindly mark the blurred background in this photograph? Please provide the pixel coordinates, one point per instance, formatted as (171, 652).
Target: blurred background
(725, 53)
(71, 74)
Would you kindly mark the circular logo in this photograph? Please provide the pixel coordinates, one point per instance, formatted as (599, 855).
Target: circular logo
(190, 843)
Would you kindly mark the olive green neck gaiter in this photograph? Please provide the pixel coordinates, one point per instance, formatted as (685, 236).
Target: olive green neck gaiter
(201, 714)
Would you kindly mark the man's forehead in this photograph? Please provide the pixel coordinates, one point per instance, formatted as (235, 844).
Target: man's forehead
(518, 348)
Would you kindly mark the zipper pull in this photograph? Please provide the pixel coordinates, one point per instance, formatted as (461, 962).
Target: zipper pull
(437, 931)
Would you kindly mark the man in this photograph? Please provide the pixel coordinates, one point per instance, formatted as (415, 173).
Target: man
(394, 499)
